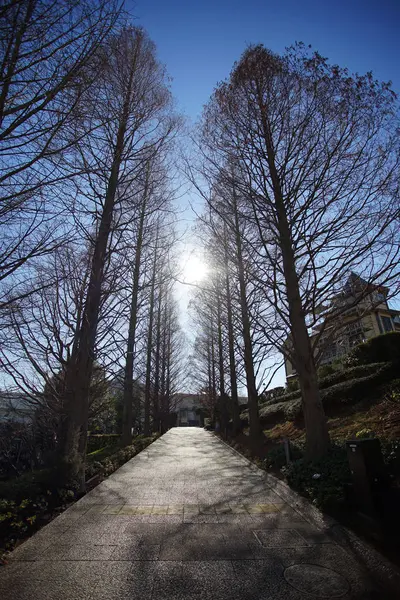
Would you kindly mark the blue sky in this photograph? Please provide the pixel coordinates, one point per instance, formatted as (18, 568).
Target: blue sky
(199, 42)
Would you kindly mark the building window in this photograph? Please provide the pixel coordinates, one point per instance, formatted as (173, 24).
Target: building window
(387, 323)
(329, 354)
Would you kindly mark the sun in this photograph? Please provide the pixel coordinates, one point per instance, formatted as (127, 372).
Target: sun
(194, 269)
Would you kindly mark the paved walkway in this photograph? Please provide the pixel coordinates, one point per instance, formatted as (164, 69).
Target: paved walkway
(186, 518)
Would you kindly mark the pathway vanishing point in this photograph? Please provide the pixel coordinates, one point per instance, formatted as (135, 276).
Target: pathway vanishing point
(186, 518)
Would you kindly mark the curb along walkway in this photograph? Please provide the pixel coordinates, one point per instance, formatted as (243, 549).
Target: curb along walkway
(186, 518)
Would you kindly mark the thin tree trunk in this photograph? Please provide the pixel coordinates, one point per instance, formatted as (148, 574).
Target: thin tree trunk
(210, 382)
(156, 392)
(220, 348)
(213, 375)
(128, 378)
(231, 343)
(168, 379)
(163, 373)
(147, 390)
(222, 395)
(254, 417)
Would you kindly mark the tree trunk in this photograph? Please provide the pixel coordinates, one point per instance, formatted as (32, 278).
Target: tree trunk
(156, 392)
(317, 436)
(79, 371)
(163, 372)
(231, 343)
(147, 391)
(223, 400)
(127, 419)
(168, 379)
(254, 417)
(213, 375)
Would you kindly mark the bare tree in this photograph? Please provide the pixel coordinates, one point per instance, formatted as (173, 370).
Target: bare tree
(313, 153)
(132, 109)
(155, 201)
(45, 50)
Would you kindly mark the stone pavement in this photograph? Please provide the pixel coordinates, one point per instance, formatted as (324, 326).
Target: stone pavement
(186, 518)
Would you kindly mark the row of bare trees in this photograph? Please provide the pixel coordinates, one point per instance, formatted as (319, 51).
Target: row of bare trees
(298, 163)
(87, 249)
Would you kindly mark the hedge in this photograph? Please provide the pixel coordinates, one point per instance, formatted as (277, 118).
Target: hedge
(98, 441)
(355, 390)
(111, 463)
(350, 391)
(384, 347)
(272, 396)
(27, 501)
(349, 374)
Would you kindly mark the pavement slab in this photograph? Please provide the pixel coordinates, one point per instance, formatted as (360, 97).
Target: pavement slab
(188, 518)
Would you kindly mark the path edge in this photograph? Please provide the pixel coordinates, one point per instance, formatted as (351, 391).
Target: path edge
(385, 573)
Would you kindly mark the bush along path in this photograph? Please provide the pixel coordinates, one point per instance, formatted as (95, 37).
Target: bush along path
(30, 501)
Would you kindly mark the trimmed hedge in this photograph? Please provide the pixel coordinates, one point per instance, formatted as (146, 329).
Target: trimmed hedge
(111, 463)
(272, 396)
(98, 441)
(351, 373)
(355, 390)
(349, 391)
(27, 501)
(384, 347)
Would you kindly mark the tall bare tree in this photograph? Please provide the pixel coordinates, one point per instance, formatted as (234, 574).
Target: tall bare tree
(133, 110)
(315, 157)
(45, 50)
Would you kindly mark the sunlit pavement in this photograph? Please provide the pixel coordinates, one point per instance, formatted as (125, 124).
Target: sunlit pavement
(186, 518)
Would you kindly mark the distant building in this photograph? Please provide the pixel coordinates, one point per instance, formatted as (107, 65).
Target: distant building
(187, 409)
(363, 319)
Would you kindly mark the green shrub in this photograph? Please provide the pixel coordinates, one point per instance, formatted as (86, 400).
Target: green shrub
(110, 463)
(321, 481)
(28, 485)
(325, 370)
(296, 395)
(272, 396)
(16, 518)
(381, 348)
(98, 441)
(292, 385)
(280, 411)
(337, 377)
(276, 457)
(365, 433)
(392, 391)
(355, 390)
(342, 387)
(351, 373)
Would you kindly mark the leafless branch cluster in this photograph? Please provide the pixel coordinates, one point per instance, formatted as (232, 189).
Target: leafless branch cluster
(87, 138)
(302, 160)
